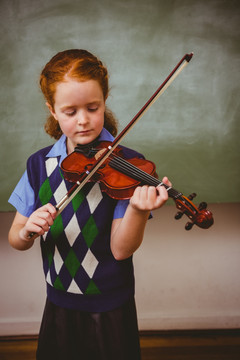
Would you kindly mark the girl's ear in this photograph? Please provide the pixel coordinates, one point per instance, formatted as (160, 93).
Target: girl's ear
(51, 110)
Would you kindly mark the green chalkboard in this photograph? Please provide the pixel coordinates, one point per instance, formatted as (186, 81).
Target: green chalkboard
(192, 131)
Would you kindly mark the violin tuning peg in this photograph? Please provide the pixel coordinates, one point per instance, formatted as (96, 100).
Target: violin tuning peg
(189, 225)
(178, 215)
(191, 196)
(202, 205)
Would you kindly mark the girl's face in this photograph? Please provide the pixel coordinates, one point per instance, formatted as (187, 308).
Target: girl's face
(79, 108)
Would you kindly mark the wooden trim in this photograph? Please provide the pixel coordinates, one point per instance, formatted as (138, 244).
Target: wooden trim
(192, 333)
(18, 337)
(151, 333)
(221, 344)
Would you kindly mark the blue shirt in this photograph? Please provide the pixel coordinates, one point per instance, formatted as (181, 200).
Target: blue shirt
(23, 198)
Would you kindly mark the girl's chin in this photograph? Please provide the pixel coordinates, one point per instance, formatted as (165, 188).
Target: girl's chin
(84, 140)
(81, 140)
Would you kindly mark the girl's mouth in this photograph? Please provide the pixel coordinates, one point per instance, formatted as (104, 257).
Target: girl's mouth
(84, 132)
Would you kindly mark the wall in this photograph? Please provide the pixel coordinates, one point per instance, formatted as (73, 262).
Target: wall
(191, 132)
(184, 280)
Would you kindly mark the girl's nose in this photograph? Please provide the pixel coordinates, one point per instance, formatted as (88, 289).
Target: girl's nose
(82, 118)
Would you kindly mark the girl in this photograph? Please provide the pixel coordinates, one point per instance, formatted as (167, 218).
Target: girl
(87, 249)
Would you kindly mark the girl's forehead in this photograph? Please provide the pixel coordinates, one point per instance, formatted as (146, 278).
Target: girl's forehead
(78, 82)
(75, 90)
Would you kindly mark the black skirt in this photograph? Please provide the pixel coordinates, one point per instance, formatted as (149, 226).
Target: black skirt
(68, 334)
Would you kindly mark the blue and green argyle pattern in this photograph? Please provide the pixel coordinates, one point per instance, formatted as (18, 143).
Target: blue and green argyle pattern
(68, 259)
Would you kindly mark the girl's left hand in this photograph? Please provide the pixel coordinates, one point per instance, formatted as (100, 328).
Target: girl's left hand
(147, 198)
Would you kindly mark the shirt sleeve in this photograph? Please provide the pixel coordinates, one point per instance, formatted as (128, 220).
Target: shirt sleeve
(120, 209)
(22, 197)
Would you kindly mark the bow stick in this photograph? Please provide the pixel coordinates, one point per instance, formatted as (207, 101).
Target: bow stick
(107, 152)
(60, 206)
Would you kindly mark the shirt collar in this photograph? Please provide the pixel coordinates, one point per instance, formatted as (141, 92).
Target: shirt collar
(60, 149)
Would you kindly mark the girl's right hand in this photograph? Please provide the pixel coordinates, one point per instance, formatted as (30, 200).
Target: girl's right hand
(39, 222)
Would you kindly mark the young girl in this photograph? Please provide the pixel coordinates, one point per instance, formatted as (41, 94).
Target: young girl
(87, 249)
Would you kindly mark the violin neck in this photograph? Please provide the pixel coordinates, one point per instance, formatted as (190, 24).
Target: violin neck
(144, 178)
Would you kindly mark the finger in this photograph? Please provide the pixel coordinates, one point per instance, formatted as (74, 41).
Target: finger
(38, 227)
(50, 209)
(42, 218)
(39, 230)
(162, 195)
(144, 192)
(152, 194)
(138, 200)
(137, 193)
(29, 234)
(166, 181)
(39, 222)
(33, 229)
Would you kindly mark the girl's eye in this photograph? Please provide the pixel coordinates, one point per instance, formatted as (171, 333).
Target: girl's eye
(92, 109)
(70, 113)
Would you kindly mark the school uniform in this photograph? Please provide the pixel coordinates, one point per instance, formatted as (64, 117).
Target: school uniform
(90, 309)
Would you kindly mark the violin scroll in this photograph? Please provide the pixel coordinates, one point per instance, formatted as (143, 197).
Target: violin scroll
(199, 216)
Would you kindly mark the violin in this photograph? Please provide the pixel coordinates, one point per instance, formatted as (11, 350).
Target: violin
(118, 177)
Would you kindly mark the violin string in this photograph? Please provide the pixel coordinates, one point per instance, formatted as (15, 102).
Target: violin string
(131, 170)
(140, 175)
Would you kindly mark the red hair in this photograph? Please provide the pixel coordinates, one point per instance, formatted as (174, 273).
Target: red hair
(80, 65)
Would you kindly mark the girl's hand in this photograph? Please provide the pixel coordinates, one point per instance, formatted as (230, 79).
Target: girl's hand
(39, 222)
(127, 233)
(147, 198)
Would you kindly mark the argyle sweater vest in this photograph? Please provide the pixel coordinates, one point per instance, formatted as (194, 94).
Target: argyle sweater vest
(80, 270)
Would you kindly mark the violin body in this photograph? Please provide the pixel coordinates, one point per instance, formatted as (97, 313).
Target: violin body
(112, 181)
(118, 177)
